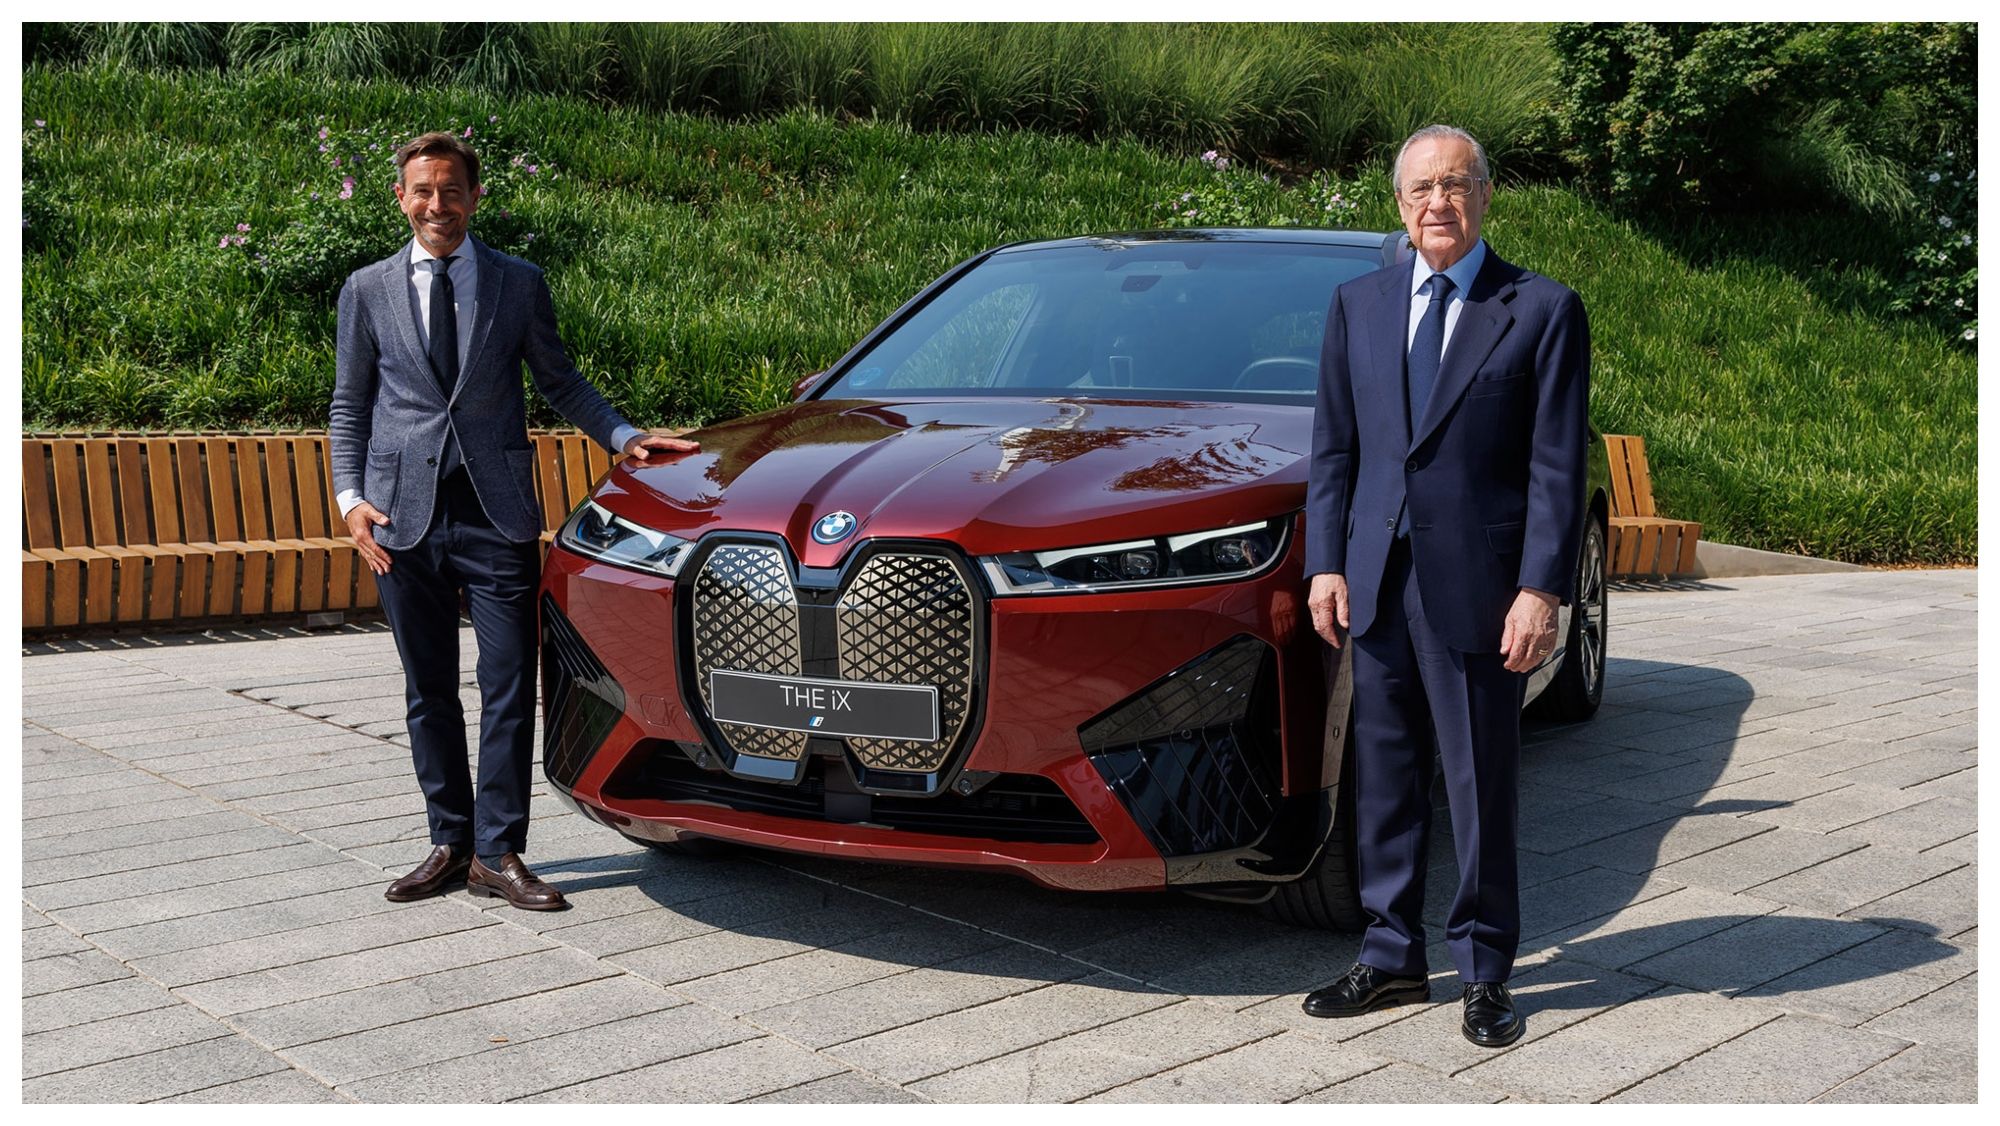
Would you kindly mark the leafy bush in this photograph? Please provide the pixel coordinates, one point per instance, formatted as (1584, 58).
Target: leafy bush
(1682, 116)
(1228, 195)
(1943, 279)
(336, 222)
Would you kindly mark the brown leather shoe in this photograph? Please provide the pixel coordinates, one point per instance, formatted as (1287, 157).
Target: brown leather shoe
(440, 870)
(515, 884)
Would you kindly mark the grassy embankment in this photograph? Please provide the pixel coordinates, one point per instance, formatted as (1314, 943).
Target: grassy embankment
(699, 267)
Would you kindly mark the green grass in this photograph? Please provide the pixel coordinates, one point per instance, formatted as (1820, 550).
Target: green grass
(1327, 92)
(699, 267)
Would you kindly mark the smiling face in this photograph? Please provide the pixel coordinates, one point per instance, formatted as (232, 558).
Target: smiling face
(438, 198)
(1442, 229)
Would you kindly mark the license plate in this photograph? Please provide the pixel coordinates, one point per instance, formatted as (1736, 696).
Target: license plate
(824, 707)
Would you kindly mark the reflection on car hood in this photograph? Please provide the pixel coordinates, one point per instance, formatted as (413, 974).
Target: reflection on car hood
(990, 474)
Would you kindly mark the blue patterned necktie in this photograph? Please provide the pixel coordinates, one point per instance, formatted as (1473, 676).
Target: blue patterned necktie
(444, 325)
(1426, 356)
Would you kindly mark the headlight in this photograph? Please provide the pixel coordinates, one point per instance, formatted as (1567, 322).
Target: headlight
(1223, 555)
(593, 530)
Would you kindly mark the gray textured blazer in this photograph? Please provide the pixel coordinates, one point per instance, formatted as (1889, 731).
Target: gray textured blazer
(389, 417)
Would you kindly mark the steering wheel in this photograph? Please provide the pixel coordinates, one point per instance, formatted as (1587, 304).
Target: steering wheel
(1279, 373)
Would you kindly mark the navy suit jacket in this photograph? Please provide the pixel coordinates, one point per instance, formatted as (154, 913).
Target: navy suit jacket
(387, 423)
(1494, 471)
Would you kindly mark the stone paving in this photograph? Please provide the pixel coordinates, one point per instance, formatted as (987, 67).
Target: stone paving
(1751, 878)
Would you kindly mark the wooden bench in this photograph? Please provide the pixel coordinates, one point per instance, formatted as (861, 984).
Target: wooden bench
(146, 529)
(1642, 541)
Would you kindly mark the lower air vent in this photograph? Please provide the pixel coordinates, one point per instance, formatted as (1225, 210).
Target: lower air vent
(580, 701)
(1194, 757)
(1012, 807)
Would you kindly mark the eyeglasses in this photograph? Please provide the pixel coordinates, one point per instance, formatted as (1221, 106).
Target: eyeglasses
(1455, 189)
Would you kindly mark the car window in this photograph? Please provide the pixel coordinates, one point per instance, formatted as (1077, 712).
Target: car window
(965, 349)
(1150, 320)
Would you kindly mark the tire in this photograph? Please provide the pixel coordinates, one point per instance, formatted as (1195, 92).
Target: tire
(1328, 896)
(1578, 686)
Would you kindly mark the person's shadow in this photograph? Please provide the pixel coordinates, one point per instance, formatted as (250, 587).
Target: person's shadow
(1608, 807)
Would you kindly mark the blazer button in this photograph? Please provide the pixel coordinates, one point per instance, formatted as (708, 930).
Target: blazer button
(1411, 465)
(430, 461)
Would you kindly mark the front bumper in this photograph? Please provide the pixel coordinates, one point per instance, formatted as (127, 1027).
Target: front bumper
(1084, 758)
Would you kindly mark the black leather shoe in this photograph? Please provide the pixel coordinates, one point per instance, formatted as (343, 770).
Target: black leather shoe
(1490, 1019)
(440, 870)
(1364, 990)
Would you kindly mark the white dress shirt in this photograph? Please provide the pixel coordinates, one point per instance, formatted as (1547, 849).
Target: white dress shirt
(1461, 273)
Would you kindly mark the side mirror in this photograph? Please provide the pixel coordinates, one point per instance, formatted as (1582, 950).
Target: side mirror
(800, 388)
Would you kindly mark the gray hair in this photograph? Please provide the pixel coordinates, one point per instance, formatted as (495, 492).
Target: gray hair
(1479, 166)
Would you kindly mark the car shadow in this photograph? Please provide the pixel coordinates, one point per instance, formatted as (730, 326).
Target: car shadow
(1605, 806)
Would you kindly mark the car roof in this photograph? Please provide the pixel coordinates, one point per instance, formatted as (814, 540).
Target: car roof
(1369, 240)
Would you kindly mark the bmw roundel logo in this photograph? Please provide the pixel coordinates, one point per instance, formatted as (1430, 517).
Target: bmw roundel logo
(834, 527)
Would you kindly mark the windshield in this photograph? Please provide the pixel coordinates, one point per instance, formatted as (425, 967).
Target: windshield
(1178, 320)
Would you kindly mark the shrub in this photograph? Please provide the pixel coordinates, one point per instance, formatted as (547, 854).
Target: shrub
(336, 223)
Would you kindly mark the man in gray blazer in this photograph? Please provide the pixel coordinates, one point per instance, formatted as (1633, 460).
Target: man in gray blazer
(435, 475)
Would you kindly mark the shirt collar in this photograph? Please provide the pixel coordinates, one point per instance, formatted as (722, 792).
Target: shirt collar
(1460, 272)
(463, 255)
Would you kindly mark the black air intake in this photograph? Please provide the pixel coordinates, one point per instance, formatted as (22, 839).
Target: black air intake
(1194, 757)
(580, 701)
(1010, 807)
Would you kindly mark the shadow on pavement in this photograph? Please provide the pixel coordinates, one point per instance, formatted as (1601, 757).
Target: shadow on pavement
(1591, 838)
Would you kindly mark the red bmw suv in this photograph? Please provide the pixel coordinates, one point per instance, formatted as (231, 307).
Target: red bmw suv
(1015, 584)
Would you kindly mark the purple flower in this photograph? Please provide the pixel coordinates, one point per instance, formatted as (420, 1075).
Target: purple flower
(236, 240)
(322, 147)
(224, 244)
(336, 162)
(529, 238)
(518, 159)
(468, 131)
(323, 132)
(242, 226)
(1185, 196)
(347, 187)
(315, 195)
(373, 147)
(482, 191)
(533, 169)
(491, 118)
(40, 124)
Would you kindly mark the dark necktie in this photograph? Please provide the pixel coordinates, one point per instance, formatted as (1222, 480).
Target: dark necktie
(1426, 350)
(444, 325)
(1426, 356)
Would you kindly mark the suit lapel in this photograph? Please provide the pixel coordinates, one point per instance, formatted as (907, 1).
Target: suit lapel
(395, 279)
(1390, 347)
(1480, 325)
(492, 276)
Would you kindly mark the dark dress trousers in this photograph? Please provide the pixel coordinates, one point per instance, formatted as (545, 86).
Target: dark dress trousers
(1493, 476)
(471, 530)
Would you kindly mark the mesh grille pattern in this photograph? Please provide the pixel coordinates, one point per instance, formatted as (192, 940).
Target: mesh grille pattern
(908, 619)
(1191, 758)
(580, 700)
(746, 618)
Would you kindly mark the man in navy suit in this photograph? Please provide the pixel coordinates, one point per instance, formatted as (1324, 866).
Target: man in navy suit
(435, 476)
(1444, 515)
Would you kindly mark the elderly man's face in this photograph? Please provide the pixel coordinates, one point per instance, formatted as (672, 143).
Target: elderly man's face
(1442, 228)
(439, 199)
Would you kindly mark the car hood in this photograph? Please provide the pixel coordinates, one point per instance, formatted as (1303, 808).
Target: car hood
(992, 475)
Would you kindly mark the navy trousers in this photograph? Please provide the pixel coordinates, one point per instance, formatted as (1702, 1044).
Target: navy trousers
(1418, 702)
(462, 551)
